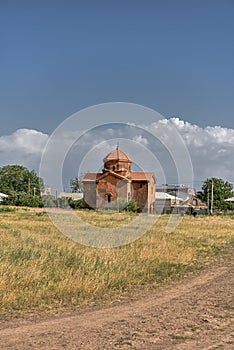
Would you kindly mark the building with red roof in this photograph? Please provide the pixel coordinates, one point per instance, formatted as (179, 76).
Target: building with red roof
(118, 183)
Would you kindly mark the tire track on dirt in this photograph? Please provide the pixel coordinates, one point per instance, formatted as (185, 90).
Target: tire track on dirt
(122, 326)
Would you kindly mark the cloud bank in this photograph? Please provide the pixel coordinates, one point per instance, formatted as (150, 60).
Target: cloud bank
(211, 148)
(23, 147)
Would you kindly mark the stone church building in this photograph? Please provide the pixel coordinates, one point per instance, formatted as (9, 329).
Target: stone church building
(117, 183)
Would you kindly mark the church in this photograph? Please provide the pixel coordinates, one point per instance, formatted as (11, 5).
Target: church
(117, 183)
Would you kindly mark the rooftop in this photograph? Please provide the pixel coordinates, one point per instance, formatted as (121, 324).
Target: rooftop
(117, 154)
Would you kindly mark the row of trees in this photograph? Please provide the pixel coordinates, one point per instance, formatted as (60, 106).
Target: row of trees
(214, 192)
(24, 188)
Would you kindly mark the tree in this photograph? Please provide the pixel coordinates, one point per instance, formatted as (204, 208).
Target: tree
(76, 184)
(215, 191)
(21, 185)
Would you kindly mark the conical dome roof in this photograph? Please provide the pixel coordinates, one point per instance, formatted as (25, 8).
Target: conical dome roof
(117, 155)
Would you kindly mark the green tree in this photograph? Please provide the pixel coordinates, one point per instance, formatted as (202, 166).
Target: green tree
(76, 184)
(221, 190)
(21, 185)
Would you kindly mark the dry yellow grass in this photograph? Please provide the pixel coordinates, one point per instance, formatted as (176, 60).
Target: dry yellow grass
(41, 268)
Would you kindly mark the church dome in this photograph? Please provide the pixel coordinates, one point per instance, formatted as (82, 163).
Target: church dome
(117, 155)
(117, 161)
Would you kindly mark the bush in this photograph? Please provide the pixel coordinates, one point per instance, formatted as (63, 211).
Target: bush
(49, 201)
(23, 199)
(120, 204)
(131, 206)
(28, 200)
(77, 204)
(7, 209)
(63, 203)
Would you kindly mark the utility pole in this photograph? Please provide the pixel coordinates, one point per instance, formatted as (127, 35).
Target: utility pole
(208, 200)
(212, 196)
(176, 201)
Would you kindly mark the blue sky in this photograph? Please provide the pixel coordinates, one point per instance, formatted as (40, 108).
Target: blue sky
(58, 57)
(174, 56)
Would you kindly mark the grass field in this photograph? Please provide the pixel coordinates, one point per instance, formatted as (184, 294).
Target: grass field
(42, 269)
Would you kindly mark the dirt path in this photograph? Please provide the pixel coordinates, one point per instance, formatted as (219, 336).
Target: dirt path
(197, 313)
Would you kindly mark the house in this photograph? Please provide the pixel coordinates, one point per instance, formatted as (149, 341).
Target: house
(118, 183)
(193, 205)
(165, 202)
(74, 196)
(3, 196)
(46, 192)
(230, 200)
(176, 189)
(196, 204)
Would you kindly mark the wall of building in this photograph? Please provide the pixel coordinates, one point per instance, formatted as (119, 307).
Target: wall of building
(151, 197)
(108, 190)
(90, 193)
(140, 194)
(163, 206)
(121, 167)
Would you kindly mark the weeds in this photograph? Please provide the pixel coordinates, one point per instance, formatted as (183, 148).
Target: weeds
(41, 268)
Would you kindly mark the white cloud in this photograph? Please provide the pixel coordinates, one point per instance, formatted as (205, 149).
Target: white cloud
(23, 147)
(140, 139)
(194, 134)
(211, 148)
(24, 140)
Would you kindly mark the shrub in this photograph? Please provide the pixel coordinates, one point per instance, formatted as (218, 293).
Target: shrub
(49, 201)
(23, 199)
(7, 209)
(77, 204)
(28, 200)
(121, 204)
(131, 206)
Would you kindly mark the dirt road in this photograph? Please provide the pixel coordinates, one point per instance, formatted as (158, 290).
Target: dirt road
(197, 313)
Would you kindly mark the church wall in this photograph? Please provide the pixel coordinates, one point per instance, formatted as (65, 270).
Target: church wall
(151, 197)
(112, 186)
(140, 194)
(90, 193)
